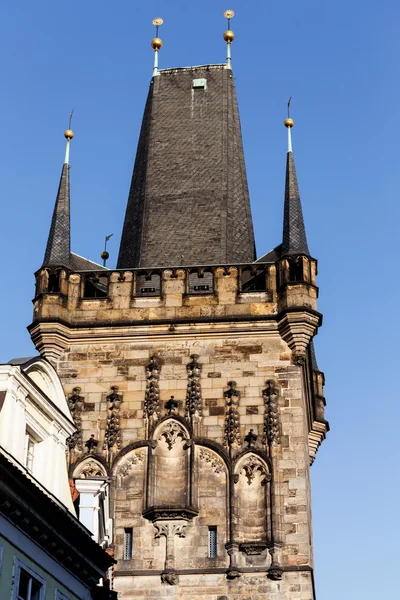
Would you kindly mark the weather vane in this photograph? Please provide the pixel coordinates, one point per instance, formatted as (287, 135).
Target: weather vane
(229, 36)
(288, 107)
(157, 23)
(229, 14)
(70, 118)
(105, 255)
(156, 44)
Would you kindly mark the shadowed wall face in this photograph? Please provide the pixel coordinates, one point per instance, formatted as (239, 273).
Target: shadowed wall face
(189, 201)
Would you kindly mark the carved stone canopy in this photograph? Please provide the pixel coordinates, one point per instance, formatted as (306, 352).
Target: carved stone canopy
(165, 513)
(253, 548)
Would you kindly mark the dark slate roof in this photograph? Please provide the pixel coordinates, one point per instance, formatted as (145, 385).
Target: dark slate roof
(189, 200)
(271, 256)
(294, 233)
(79, 263)
(58, 244)
(314, 364)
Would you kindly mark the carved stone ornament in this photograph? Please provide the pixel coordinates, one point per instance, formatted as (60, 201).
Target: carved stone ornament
(214, 461)
(152, 396)
(91, 468)
(251, 438)
(113, 429)
(232, 419)
(251, 466)
(171, 432)
(271, 419)
(170, 577)
(165, 513)
(298, 359)
(172, 405)
(75, 404)
(193, 395)
(91, 444)
(275, 573)
(253, 548)
(129, 464)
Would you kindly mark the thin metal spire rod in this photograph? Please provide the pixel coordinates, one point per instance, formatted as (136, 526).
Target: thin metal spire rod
(69, 134)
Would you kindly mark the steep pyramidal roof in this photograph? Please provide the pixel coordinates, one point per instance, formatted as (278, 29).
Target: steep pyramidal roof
(188, 202)
(59, 240)
(294, 233)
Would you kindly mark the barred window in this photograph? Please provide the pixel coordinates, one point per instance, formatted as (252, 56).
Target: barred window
(212, 542)
(128, 543)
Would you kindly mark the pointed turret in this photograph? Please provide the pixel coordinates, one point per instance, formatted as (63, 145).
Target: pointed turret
(294, 234)
(58, 247)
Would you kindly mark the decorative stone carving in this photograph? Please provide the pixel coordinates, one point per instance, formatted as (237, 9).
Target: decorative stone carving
(212, 460)
(171, 432)
(232, 420)
(251, 438)
(113, 430)
(298, 359)
(75, 404)
(152, 397)
(194, 408)
(271, 420)
(275, 573)
(91, 444)
(172, 405)
(129, 464)
(251, 466)
(170, 577)
(169, 531)
(163, 513)
(91, 469)
(253, 548)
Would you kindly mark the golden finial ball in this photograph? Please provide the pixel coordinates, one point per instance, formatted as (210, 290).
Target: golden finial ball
(105, 255)
(229, 36)
(68, 134)
(289, 122)
(156, 44)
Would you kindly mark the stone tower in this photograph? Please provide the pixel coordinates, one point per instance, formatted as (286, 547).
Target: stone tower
(190, 369)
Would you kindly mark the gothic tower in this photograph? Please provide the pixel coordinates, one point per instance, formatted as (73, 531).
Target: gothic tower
(190, 369)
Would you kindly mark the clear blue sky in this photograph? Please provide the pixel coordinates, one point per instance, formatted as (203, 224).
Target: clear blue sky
(339, 61)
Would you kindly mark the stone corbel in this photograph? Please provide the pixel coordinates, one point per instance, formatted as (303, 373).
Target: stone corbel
(232, 549)
(297, 328)
(169, 530)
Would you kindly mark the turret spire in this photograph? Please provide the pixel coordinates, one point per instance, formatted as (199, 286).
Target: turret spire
(156, 44)
(294, 233)
(229, 36)
(59, 241)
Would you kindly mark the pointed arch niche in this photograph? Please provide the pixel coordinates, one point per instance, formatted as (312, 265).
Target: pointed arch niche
(252, 503)
(128, 502)
(169, 481)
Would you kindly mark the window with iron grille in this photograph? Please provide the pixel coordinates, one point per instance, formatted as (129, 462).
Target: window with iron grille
(128, 543)
(212, 542)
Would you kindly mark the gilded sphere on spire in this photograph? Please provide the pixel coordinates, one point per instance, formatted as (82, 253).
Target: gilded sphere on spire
(229, 36)
(156, 44)
(289, 122)
(69, 134)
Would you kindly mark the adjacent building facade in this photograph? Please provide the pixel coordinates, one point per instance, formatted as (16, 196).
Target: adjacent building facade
(45, 552)
(190, 369)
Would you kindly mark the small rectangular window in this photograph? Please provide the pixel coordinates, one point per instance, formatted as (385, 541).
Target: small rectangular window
(128, 533)
(30, 444)
(212, 542)
(27, 584)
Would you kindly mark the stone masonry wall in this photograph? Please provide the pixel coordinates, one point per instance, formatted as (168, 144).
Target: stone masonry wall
(249, 360)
